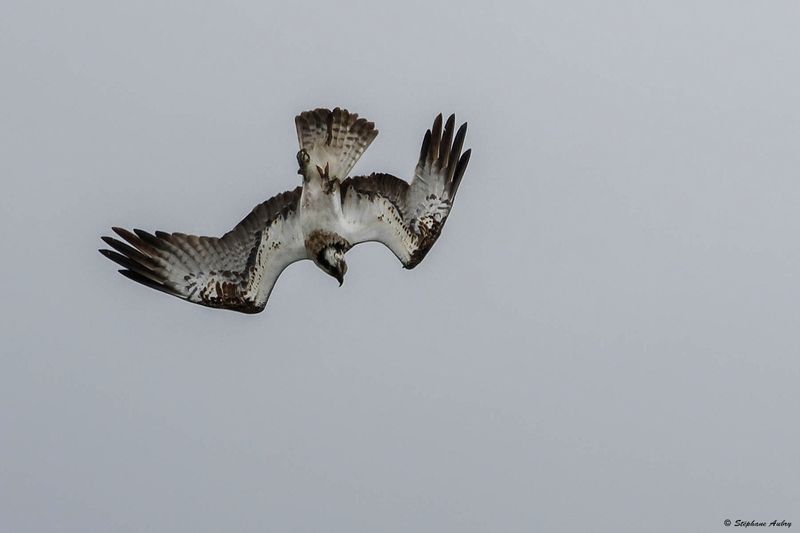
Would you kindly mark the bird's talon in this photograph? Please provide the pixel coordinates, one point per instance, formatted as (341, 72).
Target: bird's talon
(303, 158)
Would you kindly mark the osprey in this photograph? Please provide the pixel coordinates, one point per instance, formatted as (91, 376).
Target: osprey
(320, 220)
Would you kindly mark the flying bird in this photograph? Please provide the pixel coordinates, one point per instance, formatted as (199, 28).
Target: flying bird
(319, 220)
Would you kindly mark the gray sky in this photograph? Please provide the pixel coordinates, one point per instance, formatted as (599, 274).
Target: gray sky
(605, 338)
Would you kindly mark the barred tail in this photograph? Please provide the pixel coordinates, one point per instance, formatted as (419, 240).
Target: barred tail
(333, 139)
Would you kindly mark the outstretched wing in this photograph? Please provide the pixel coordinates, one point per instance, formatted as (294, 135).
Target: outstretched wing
(236, 271)
(332, 141)
(408, 218)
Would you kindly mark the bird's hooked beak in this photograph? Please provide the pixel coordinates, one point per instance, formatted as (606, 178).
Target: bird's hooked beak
(331, 260)
(341, 271)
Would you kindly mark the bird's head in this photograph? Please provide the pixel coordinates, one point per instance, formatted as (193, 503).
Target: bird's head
(331, 260)
(327, 250)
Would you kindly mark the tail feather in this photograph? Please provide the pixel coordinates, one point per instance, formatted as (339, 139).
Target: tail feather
(333, 139)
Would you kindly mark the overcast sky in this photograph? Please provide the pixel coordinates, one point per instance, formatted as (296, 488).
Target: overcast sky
(604, 339)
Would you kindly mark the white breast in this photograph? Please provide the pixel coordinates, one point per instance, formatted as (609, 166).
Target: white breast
(320, 210)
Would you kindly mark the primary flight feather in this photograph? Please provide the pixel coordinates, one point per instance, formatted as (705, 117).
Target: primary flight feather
(320, 220)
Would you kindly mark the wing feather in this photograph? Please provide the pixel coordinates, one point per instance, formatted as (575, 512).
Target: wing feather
(408, 218)
(236, 271)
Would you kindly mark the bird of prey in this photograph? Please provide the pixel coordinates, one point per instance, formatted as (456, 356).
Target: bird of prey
(319, 220)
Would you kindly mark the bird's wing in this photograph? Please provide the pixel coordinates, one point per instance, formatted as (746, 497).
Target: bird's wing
(236, 271)
(408, 218)
(332, 140)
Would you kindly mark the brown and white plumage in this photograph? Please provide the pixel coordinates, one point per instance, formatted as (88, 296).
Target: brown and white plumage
(236, 271)
(319, 221)
(408, 218)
